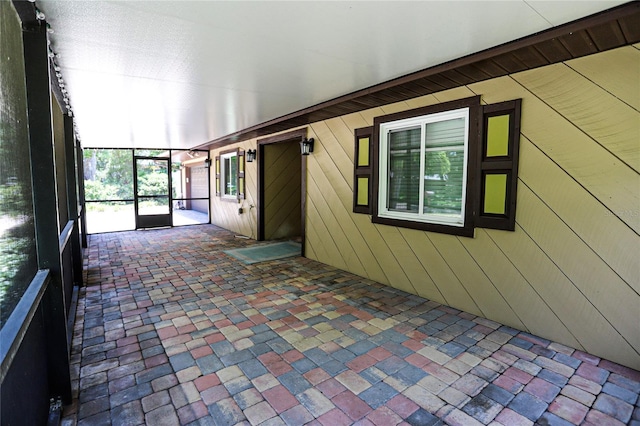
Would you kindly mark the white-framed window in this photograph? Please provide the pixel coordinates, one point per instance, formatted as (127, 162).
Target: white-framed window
(229, 174)
(423, 168)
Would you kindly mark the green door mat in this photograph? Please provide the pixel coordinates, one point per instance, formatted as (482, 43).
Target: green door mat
(265, 252)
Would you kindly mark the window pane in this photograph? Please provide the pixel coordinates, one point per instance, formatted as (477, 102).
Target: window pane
(230, 166)
(18, 262)
(495, 193)
(444, 168)
(404, 170)
(498, 136)
(445, 133)
(444, 182)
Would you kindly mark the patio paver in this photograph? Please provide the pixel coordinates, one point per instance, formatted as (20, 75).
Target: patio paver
(170, 330)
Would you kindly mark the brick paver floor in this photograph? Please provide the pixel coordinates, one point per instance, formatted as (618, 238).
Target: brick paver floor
(170, 330)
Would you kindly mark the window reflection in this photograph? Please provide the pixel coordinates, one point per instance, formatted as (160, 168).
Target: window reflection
(18, 263)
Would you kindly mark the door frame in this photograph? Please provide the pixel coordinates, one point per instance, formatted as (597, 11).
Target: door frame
(152, 220)
(292, 136)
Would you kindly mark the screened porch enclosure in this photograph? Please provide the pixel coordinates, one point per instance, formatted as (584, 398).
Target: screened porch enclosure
(127, 189)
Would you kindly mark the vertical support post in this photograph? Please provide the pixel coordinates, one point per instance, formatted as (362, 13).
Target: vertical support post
(72, 197)
(81, 198)
(303, 202)
(45, 203)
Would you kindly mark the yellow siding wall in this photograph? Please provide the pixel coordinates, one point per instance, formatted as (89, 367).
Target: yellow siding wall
(570, 271)
(225, 213)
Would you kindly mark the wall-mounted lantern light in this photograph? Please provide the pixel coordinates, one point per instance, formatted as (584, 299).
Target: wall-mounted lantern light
(251, 155)
(306, 146)
(207, 162)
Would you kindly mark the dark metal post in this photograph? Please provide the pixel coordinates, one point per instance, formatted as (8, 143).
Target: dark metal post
(72, 197)
(81, 198)
(45, 203)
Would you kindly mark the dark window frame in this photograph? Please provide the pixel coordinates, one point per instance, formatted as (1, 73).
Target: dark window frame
(241, 184)
(475, 110)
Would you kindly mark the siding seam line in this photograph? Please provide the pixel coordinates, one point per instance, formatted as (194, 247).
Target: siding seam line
(588, 300)
(348, 211)
(571, 122)
(530, 285)
(599, 86)
(426, 270)
(562, 168)
(567, 224)
(489, 279)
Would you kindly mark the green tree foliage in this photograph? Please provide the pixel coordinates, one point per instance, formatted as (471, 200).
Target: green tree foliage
(108, 174)
(438, 164)
(154, 183)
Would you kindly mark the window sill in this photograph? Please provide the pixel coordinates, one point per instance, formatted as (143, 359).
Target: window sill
(463, 231)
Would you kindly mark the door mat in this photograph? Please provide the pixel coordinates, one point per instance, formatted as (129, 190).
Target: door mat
(265, 252)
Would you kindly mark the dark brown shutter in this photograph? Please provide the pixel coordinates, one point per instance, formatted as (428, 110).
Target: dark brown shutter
(216, 164)
(497, 176)
(241, 179)
(362, 170)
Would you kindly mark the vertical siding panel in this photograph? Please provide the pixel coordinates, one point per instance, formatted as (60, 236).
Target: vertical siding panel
(612, 123)
(618, 247)
(614, 184)
(623, 82)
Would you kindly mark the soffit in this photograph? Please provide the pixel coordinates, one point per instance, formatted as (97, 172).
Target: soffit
(181, 74)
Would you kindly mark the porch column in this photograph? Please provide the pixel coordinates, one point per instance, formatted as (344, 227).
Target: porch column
(45, 204)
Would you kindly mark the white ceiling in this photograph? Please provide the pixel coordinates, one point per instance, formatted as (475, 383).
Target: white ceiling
(177, 74)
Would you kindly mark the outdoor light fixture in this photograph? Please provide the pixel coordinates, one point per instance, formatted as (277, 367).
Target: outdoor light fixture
(207, 162)
(306, 146)
(251, 155)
